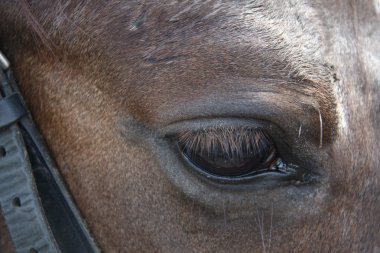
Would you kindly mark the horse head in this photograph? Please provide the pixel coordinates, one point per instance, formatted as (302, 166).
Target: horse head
(208, 126)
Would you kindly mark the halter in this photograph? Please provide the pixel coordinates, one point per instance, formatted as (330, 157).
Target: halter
(40, 215)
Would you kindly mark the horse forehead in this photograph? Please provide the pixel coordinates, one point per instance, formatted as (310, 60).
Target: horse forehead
(152, 27)
(186, 42)
(173, 46)
(165, 39)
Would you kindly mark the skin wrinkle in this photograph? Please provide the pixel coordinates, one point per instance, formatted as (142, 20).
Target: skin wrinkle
(120, 71)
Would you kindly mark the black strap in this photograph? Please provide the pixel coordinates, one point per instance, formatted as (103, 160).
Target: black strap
(19, 199)
(11, 110)
(39, 212)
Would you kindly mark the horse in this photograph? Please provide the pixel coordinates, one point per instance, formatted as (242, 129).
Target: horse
(208, 126)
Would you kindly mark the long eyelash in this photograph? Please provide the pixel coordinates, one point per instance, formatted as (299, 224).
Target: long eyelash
(230, 141)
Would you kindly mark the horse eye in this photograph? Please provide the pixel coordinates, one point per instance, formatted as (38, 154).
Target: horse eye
(229, 152)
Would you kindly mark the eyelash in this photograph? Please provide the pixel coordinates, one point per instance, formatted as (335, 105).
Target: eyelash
(234, 141)
(233, 152)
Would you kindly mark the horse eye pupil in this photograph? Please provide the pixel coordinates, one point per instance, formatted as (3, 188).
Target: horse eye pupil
(231, 153)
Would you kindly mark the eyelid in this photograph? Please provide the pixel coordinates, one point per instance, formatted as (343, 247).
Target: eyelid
(205, 123)
(290, 109)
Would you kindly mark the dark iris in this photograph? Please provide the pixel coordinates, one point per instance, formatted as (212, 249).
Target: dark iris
(228, 152)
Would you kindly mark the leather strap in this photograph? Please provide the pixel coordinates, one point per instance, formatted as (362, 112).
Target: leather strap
(11, 110)
(18, 197)
(39, 212)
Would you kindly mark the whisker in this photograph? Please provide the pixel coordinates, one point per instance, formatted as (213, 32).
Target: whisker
(224, 213)
(270, 228)
(300, 131)
(260, 224)
(320, 129)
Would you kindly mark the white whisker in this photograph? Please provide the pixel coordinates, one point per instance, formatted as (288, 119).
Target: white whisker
(260, 224)
(270, 228)
(320, 129)
(299, 131)
(224, 213)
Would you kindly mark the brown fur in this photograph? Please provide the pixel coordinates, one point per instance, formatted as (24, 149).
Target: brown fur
(118, 74)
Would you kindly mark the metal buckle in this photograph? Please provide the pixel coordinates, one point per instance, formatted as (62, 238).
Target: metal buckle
(4, 63)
